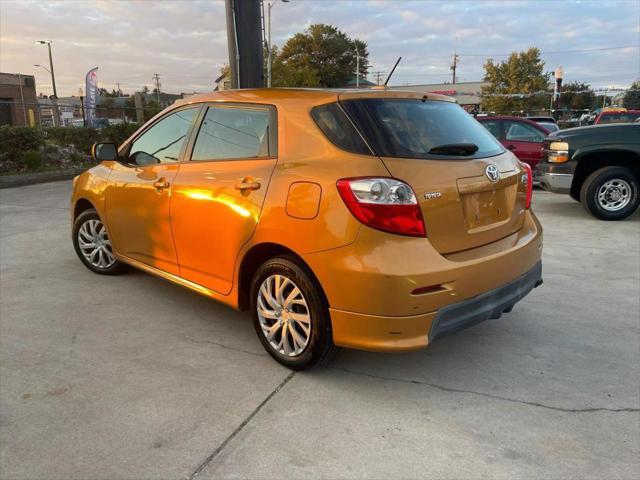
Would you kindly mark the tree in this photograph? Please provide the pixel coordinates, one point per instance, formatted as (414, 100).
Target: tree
(632, 97)
(522, 73)
(577, 96)
(321, 56)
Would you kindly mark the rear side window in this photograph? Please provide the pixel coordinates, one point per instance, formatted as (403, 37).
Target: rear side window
(236, 133)
(411, 128)
(521, 132)
(338, 129)
(493, 126)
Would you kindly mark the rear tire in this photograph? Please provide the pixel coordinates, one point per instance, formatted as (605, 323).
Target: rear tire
(92, 244)
(610, 193)
(290, 314)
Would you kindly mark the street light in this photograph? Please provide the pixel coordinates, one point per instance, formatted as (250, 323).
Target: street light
(558, 74)
(42, 66)
(56, 119)
(270, 5)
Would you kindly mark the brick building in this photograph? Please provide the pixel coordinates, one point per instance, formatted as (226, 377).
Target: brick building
(18, 100)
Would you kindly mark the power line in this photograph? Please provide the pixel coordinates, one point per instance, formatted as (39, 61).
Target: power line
(556, 52)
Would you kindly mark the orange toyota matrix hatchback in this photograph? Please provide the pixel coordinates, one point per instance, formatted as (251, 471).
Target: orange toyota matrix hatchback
(378, 220)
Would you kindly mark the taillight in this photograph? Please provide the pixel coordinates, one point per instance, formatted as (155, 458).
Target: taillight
(529, 184)
(385, 204)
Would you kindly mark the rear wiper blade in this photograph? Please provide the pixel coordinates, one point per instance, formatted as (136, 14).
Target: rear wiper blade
(462, 149)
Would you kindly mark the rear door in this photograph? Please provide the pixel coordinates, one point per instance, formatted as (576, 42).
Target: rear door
(466, 201)
(524, 140)
(218, 194)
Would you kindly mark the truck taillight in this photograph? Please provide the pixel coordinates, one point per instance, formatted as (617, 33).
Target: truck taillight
(385, 204)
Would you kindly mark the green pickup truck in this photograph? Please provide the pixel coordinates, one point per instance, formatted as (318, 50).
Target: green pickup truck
(598, 166)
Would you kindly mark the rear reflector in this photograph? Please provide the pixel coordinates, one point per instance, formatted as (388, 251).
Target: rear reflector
(429, 289)
(385, 204)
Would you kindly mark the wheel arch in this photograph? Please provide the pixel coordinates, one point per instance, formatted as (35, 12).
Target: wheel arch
(256, 256)
(590, 162)
(82, 205)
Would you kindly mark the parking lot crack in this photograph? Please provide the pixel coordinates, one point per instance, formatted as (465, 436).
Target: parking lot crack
(489, 395)
(227, 347)
(240, 427)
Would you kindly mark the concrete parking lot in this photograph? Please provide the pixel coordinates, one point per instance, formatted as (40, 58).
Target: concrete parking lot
(133, 377)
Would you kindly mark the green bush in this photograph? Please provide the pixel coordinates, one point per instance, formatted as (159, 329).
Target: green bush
(81, 138)
(32, 159)
(15, 140)
(57, 147)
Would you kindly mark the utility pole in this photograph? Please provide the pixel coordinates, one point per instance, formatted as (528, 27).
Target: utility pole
(357, 66)
(118, 84)
(378, 76)
(56, 116)
(156, 77)
(455, 60)
(245, 43)
(270, 5)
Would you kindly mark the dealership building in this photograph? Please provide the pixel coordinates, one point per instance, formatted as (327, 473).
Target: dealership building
(18, 100)
(468, 94)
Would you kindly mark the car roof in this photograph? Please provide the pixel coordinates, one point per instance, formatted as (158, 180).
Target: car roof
(517, 119)
(619, 112)
(313, 96)
(540, 118)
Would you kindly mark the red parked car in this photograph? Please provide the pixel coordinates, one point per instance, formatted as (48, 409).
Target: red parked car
(612, 116)
(523, 137)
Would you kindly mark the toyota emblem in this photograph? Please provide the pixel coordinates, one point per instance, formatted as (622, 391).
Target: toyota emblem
(492, 173)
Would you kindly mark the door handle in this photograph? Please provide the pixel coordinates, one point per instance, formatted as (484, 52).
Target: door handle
(161, 184)
(511, 147)
(247, 184)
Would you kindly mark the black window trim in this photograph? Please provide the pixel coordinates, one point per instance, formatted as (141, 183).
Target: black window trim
(273, 130)
(125, 148)
(355, 128)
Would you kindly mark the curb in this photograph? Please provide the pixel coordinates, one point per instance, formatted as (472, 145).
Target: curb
(20, 180)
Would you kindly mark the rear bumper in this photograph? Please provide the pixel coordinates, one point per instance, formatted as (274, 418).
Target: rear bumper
(371, 285)
(396, 334)
(492, 304)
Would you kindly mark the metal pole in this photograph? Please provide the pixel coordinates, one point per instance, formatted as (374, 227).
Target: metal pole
(56, 119)
(269, 5)
(357, 67)
(84, 118)
(232, 44)
(24, 109)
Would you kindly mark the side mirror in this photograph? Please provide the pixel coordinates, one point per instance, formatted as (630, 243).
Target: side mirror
(104, 151)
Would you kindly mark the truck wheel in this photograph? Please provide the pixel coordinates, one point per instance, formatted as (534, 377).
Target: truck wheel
(610, 193)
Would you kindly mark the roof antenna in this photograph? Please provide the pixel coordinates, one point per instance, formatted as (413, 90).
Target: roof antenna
(392, 70)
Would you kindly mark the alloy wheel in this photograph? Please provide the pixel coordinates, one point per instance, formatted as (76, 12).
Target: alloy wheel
(284, 315)
(95, 245)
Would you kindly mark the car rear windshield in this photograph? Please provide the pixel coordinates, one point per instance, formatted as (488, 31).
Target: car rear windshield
(411, 128)
(618, 117)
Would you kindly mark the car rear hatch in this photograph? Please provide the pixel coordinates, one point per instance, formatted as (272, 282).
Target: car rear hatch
(467, 198)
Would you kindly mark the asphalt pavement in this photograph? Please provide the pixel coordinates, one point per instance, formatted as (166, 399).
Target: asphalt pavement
(134, 377)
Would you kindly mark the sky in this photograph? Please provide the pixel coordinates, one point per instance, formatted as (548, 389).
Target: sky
(185, 41)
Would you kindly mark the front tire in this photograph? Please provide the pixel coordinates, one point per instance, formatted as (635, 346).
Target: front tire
(610, 193)
(290, 314)
(93, 246)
